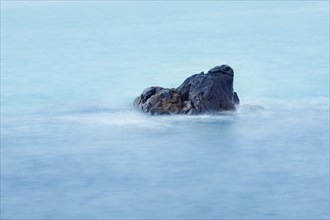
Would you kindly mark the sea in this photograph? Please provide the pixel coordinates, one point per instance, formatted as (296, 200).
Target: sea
(73, 146)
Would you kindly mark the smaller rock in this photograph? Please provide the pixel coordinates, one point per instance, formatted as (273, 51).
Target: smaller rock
(146, 94)
(159, 101)
(236, 99)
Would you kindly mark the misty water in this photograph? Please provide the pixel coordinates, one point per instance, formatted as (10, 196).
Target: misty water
(73, 147)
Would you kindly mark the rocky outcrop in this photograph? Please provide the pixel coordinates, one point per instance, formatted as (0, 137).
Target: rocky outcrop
(199, 93)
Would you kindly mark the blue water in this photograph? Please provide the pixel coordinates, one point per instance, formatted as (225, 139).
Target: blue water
(72, 146)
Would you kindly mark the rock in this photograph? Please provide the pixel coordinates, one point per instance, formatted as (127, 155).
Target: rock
(225, 69)
(146, 94)
(159, 101)
(199, 93)
(187, 106)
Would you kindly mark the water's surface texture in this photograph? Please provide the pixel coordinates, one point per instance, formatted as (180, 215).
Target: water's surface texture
(72, 146)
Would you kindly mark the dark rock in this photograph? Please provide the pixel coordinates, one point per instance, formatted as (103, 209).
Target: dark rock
(187, 106)
(199, 93)
(236, 99)
(158, 101)
(225, 69)
(146, 94)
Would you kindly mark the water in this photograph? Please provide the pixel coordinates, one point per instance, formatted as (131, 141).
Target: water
(72, 147)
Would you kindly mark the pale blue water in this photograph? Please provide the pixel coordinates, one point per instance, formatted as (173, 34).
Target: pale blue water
(72, 147)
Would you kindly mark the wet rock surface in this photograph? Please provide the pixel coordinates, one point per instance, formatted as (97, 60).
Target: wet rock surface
(199, 93)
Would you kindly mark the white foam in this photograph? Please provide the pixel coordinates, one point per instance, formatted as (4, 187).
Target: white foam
(131, 118)
(135, 119)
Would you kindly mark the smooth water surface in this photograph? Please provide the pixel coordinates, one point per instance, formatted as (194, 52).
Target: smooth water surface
(72, 147)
